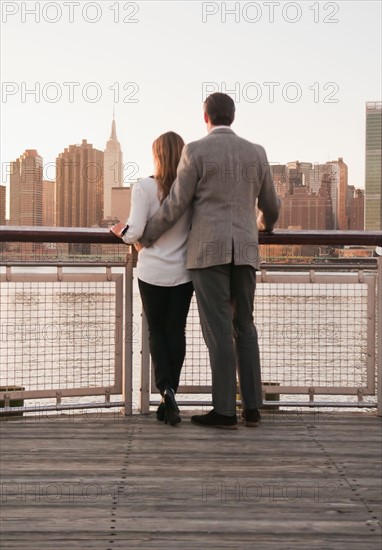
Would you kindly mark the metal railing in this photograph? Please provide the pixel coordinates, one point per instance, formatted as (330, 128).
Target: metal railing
(318, 328)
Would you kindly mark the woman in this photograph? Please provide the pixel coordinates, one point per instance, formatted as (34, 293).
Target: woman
(164, 282)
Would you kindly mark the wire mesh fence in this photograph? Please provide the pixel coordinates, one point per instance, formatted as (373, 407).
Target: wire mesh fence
(61, 332)
(317, 334)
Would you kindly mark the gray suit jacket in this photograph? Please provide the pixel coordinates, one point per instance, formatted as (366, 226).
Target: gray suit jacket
(221, 177)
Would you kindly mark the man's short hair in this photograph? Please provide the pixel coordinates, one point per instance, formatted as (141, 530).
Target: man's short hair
(220, 108)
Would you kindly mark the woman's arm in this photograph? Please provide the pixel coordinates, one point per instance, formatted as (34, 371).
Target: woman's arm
(138, 217)
(139, 214)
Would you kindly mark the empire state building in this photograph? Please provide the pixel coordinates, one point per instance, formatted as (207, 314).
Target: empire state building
(113, 170)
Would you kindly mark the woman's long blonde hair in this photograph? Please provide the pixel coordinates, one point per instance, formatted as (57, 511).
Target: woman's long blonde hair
(167, 149)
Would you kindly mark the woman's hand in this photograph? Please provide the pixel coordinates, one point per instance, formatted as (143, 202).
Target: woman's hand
(118, 229)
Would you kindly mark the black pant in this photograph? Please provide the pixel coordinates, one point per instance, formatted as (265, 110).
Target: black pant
(166, 309)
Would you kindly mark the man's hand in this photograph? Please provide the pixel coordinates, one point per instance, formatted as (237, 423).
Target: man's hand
(138, 246)
(118, 229)
(261, 224)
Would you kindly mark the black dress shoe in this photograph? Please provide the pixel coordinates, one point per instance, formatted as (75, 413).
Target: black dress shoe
(251, 417)
(160, 411)
(171, 410)
(215, 420)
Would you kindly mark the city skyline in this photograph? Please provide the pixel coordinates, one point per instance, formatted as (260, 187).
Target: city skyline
(115, 169)
(312, 196)
(112, 168)
(301, 76)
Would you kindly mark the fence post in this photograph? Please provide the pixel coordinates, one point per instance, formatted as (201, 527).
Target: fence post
(379, 337)
(145, 367)
(128, 333)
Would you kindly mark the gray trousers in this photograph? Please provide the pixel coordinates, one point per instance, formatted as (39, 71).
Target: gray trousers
(225, 295)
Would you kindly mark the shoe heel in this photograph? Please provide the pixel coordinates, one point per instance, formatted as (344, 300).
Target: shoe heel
(160, 411)
(172, 415)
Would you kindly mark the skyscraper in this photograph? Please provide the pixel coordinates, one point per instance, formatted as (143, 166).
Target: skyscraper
(338, 172)
(298, 174)
(113, 171)
(79, 186)
(373, 174)
(279, 175)
(26, 189)
(2, 204)
(121, 202)
(305, 210)
(342, 195)
(356, 210)
(48, 203)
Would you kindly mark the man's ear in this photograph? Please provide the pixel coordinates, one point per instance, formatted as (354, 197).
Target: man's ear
(206, 118)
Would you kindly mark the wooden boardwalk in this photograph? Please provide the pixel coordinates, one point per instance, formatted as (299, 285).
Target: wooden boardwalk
(299, 481)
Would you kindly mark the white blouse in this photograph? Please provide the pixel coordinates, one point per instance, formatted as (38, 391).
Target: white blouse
(163, 263)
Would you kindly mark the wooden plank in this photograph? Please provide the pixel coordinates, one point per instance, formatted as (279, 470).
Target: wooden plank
(113, 482)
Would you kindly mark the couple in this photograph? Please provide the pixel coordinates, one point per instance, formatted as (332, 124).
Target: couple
(197, 225)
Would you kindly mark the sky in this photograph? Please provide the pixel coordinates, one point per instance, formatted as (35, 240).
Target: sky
(299, 72)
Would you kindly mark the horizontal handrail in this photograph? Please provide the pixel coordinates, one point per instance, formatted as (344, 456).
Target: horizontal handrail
(57, 234)
(104, 236)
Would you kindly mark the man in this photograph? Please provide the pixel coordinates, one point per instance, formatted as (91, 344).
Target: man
(222, 176)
